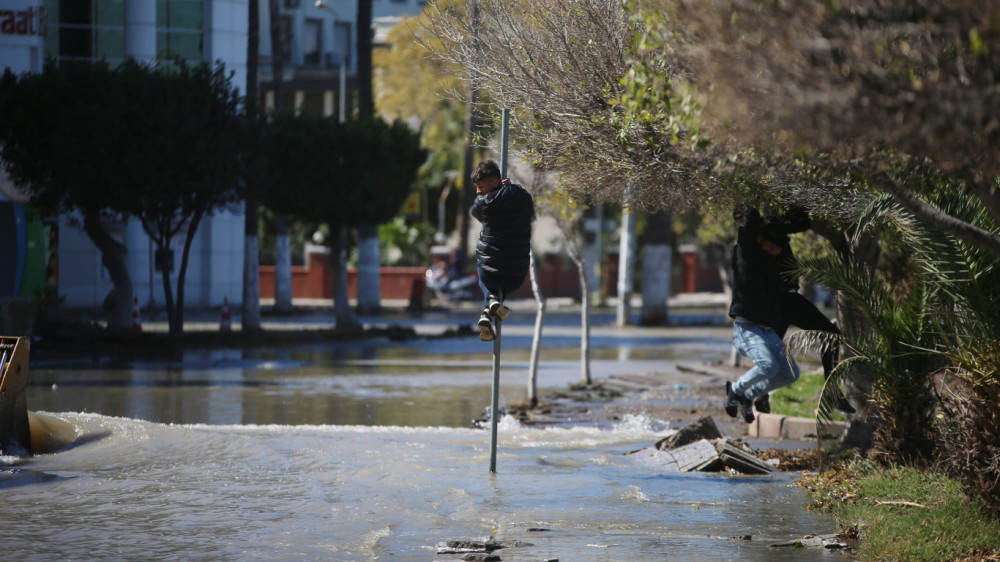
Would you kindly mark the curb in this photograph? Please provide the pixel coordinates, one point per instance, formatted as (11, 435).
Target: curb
(775, 426)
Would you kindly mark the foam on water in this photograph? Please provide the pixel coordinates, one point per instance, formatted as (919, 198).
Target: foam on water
(367, 493)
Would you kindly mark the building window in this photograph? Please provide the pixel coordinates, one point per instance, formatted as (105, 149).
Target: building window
(341, 42)
(285, 33)
(86, 29)
(178, 14)
(312, 41)
(178, 29)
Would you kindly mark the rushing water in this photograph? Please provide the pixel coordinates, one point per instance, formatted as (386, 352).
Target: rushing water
(357, 455)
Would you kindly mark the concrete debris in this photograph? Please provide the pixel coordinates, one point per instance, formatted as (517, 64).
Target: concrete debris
(477, 546)
(479, 557)
(702, 428)
(704, 453)
(830, 542)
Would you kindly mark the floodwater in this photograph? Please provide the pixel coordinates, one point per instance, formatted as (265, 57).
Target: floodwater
(367, 451)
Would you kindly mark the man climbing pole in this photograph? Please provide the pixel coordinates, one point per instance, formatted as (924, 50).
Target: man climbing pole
(505, 210)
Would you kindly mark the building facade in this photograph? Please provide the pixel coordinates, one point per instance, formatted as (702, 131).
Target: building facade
(23, 248)
(319, 59)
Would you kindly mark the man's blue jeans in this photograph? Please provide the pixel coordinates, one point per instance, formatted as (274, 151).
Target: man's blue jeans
(773, 367)
(498, 286)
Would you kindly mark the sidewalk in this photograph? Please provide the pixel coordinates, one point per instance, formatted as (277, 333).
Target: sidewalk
(771, 426)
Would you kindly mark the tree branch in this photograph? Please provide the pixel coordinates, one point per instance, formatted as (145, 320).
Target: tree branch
(962, 230)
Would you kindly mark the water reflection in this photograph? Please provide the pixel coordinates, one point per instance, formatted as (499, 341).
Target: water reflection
(375, 382)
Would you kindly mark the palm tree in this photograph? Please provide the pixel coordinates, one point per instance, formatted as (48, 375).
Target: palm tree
(944, 317)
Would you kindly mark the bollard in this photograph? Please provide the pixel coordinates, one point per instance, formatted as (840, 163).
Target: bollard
(225, 324)
(136, 323)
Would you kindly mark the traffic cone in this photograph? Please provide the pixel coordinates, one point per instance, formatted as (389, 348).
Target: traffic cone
(136, 323)
(225, 324)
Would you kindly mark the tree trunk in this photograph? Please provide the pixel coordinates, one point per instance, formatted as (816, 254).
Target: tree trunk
(536, 340)
(369, 282)
(369, 273)
(656, 267)
(168, 289)
(250, 314)
(858, 381)
(626, 262)
(277, 54)
(366, 99)
(468, 191)
(593, 251)
(346, 320)
(584, 312)
(282, 266)
(177, 327)
(119, 300)
(250, 307)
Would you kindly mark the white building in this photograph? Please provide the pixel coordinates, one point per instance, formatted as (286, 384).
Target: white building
(318, 36)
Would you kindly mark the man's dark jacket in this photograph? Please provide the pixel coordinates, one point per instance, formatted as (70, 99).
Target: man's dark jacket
(505, 240)
(777, 229)
(757, 287)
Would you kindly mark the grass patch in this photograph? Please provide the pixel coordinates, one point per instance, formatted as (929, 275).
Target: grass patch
(801, 398)
(904, 513)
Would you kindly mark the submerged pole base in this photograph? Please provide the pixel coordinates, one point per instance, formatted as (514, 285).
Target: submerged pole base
(494, 414)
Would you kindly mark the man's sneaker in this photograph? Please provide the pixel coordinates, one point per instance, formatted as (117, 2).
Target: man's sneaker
(486, 332)
(732, 402)
(763, 404)
(746, 410)
(498, 309)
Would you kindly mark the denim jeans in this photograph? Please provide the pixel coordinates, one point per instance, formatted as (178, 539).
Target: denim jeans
(502, 286)
(773, 368)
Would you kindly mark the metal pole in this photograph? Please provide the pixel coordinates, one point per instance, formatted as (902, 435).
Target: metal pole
(496, 341)
(343, 89)
(494, 414)
(504, 136)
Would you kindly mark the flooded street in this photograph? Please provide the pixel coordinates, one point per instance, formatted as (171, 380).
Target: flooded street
(367, 451)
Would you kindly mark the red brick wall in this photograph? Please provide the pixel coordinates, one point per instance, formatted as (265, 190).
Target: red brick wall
(557, 277)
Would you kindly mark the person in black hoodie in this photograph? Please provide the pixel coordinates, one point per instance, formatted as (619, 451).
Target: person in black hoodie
(505, 210)
(756, 311)
(796, 309)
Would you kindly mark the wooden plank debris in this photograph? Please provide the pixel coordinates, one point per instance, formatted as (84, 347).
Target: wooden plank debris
(15, 436)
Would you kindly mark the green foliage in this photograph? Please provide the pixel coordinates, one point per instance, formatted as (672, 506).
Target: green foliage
(188, 146)
(944, 299)
(904, 513)
(352, 173)
(60, 129)
(157, 144)
(413, 85)
(800, 399)
(897, 347)
(404, 244)
(170, 135)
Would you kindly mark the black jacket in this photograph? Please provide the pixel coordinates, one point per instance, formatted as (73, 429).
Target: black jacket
(505, 240)
(795, 220)
(757, 287)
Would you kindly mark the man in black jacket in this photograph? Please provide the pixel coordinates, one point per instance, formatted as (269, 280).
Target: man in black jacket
(505, 210)
(796, 309)
(756, 311)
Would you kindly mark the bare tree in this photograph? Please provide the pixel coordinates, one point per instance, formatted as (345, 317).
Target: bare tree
(563, 72)
(883, 88)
